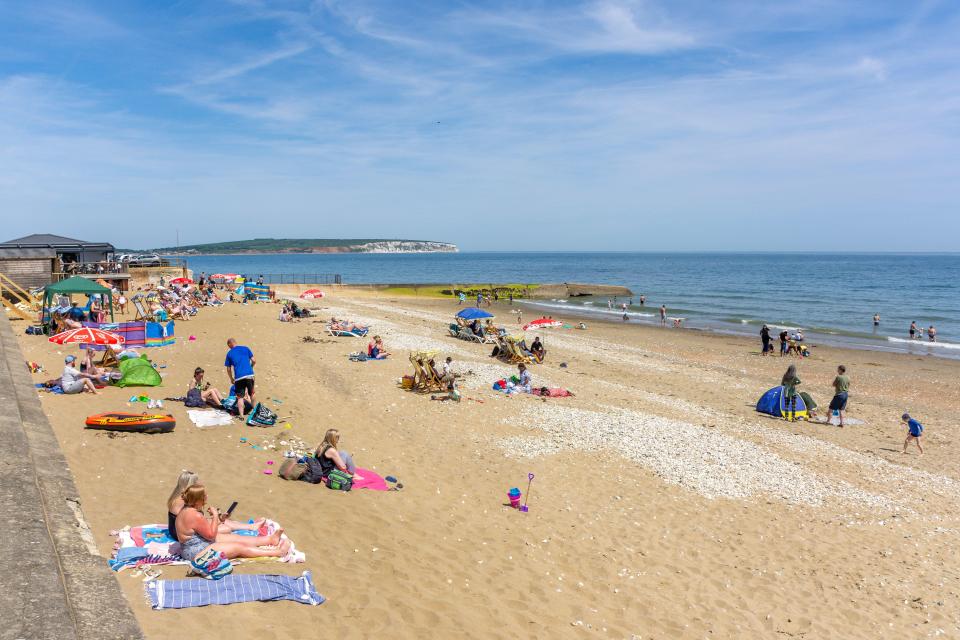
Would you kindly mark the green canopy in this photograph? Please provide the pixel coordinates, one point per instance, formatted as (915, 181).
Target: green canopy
(138, 372)
(76, 284)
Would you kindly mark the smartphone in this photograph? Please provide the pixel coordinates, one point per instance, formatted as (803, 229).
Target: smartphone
(232, 507)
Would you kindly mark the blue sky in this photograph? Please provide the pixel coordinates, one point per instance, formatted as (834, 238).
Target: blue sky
(614, 124)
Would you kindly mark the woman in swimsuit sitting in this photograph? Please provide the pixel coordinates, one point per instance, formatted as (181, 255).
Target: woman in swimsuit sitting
(208, 395)
(188, 479)
(197, 532)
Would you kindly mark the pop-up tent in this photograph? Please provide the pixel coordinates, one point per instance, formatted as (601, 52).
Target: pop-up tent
(138, 372)
(773, 402)
(73, 285)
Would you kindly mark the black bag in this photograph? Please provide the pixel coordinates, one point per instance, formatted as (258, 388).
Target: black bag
(314, 471)
(261, 417)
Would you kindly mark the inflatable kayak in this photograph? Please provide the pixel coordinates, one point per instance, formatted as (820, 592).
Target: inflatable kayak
(132, 422)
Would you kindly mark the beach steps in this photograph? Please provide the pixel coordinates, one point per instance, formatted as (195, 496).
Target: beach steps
(19, 300)
(52, 582)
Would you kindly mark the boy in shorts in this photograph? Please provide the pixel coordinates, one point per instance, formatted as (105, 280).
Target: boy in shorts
(914, 430)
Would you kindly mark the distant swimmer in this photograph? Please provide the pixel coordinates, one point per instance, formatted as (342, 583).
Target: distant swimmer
(932, 334)
(643, 300)
(876, 319)
(914, 331)
(626, 318)
(623, 307)
(609, 303)
(663, 315)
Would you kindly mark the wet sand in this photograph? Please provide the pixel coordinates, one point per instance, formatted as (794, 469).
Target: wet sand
(663, 506)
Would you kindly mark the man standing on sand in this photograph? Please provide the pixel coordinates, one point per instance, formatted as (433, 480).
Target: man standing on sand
(239, 364)
(784, 339)
(461, 298)
(841, 387)
(663, 315)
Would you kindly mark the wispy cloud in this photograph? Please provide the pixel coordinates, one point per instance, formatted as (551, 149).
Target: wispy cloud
(721, 114)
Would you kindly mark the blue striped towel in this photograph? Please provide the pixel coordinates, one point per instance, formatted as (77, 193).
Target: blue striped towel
(182, 594)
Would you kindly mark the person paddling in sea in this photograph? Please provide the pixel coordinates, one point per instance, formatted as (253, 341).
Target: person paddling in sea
(876, 320)
(663, 315)
(790, 382)
(932, 334)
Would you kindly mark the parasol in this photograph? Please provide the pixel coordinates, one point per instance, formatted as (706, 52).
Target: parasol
(86, 335)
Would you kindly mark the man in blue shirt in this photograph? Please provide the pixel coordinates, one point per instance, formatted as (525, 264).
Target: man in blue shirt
(76, 313)
(239, 364)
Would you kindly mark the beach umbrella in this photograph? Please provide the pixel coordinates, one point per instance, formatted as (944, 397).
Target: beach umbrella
(472, 313)
(310, 294)
(542, 323)
(86, 335)
(181, 281)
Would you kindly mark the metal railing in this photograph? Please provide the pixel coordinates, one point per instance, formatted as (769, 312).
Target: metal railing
(104, 268)
(293, 278)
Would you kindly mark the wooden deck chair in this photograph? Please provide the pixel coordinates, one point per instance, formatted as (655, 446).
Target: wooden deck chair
(517, 356)
(140, 305)
(109, 359)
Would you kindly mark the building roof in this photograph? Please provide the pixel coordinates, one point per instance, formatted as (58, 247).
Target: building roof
(27, 253)
(51, 241)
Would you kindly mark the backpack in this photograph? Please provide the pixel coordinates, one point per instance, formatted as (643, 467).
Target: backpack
(261, 417)
(313, 472)
(339, 480)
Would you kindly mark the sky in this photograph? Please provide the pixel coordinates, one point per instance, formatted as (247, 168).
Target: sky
(623, 125)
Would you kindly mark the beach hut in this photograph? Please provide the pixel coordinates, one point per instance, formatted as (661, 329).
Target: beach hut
(772, 404)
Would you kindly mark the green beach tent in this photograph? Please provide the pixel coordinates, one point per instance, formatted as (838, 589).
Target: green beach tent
(76, 284)
(138, 372)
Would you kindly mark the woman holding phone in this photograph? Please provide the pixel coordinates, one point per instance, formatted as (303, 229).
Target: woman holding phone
(197, 532)
(227, 526)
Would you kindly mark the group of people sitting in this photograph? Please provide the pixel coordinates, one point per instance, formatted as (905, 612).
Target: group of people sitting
(291, 312)
(375, 350)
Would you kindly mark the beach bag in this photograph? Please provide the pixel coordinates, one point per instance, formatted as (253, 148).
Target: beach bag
(194, 399)
(211, 564)
(292, 470)
(313, 471)
(339, 480)
(261, 417)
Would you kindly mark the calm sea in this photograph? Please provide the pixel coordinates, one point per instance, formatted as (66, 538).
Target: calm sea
(831, 296)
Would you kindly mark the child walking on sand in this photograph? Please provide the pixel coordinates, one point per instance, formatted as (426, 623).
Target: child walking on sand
(914, 430)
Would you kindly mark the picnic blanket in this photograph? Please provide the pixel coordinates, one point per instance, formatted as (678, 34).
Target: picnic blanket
(153, 544)
(209, 417)
(182, 594)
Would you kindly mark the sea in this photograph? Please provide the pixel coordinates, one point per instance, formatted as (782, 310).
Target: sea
(831, 296)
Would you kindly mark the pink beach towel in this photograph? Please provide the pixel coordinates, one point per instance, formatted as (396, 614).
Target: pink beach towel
(370, 480)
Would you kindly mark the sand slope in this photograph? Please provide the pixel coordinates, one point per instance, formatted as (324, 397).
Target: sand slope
(663, 506)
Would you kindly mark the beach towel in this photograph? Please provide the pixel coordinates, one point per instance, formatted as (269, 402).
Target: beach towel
(209, 417)
(551, 393)
(182, 594)
(53, 389)
(371, 480)
(162, 548)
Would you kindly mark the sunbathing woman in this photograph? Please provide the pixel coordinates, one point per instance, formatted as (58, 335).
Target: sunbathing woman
(188, 479)
(197, 532)
(375, 349)
(207, 394)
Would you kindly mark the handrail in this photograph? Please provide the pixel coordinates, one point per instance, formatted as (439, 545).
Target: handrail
(10, 305)
(17, 291)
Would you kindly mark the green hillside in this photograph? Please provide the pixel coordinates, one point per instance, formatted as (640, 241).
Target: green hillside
(267, 245)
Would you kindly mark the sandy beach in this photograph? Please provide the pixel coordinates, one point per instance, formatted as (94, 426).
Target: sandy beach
(664, 506)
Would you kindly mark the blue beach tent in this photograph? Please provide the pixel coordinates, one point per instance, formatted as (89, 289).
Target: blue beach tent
(472, 313)
(772, 404)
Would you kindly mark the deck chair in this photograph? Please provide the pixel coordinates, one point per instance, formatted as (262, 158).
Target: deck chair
(454, 330)
(140, 306)
(466, 333)
(517, 356)
(109, 359)
(423, 380)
